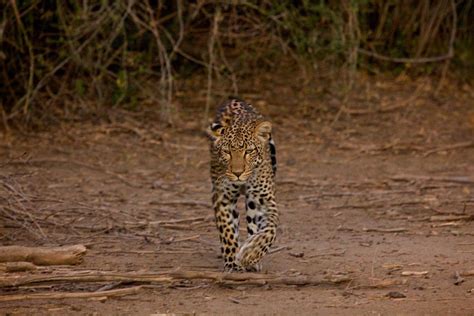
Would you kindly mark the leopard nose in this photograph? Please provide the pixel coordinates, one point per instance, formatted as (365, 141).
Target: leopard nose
(237, 173)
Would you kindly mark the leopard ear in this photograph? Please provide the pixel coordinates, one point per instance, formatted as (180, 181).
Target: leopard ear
(263, 130)
(216, 130)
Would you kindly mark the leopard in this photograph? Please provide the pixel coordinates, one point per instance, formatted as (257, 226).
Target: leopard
(243, 162)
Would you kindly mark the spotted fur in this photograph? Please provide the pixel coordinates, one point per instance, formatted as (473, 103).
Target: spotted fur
(243, 161)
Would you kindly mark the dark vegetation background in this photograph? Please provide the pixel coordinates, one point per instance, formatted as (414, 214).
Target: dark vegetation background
(62, 57)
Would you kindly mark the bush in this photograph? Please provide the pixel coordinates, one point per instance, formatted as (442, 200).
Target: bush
(105, 50)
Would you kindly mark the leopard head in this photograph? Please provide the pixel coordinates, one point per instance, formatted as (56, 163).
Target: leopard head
(239, 148)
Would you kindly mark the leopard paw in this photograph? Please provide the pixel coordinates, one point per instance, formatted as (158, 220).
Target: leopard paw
(233, 267)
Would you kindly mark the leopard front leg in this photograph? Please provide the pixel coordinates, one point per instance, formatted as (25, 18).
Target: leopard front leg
(227, 222)
(262, 222)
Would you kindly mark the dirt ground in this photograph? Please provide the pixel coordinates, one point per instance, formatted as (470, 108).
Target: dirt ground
(380, 191)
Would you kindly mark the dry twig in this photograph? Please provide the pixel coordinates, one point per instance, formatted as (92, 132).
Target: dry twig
(441, 218)
(420, 60)
(385, 230)
(414, 273)
(449, 147)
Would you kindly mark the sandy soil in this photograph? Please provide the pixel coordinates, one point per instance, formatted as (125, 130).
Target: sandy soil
(382, 193)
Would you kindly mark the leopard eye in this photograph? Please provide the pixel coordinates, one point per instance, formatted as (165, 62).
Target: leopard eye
(249, 150)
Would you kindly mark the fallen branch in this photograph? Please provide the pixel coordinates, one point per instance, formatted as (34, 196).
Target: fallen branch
(168, 277)
(68, 255)
(61, 295)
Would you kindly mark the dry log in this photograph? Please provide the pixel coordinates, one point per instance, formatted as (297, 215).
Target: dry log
(67, 255)
(173, 276)
(61, 295)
